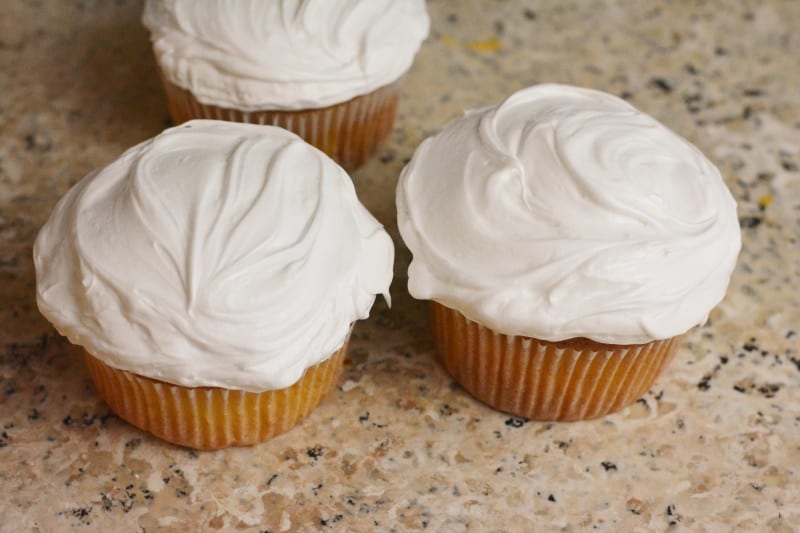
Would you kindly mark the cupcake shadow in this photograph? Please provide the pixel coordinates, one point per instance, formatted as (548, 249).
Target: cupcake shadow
(114, 94)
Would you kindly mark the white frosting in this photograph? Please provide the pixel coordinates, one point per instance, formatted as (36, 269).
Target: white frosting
(215, 254)
(284, 54)
(565, 212)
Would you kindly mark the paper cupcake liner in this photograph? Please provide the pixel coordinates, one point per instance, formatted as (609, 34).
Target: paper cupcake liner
(349, 132)
(209, 418)
(576, 379)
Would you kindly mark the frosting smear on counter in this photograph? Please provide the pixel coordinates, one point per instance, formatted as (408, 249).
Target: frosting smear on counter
(214, 254)
(565, 212)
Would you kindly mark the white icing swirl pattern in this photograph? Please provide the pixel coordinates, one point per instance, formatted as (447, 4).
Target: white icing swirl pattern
(284, 54)
(565, 212)
(215, 254)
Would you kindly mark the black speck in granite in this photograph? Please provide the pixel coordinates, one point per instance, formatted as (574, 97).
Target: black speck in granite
(674, 517)
(386, 158)
(452, 18)
(661, 83)
(791, 333)
(704, 383)
(691, 69)
(691, 100)
(765, 176)
(315, 452)
(30, 142)
(769, 390)
(750, 221)
(34, 414)
(608, 465)
(515, 422)
(106, 502)
(529, 14)
(720, 51)
(551, 498)
(364, 417)
(81, 512)
(752, 92)
(324, 523)
(499, 27)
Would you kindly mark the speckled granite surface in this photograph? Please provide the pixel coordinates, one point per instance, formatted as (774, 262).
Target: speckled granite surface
(714, 445)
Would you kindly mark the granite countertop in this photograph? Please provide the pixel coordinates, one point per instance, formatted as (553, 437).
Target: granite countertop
(397, 445)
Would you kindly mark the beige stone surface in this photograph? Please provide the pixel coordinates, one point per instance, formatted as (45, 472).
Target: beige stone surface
(715, 445)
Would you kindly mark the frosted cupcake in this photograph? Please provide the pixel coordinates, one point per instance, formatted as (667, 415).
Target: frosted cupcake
(327, 70)
(566, 242)
(212, 274)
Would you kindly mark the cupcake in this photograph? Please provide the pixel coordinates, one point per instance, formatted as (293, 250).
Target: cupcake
(566, 241)
(327, 70)
(212, 275)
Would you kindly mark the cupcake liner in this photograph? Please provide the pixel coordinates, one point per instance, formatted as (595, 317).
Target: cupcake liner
(349, 132)
(576, 379)
(209, 418)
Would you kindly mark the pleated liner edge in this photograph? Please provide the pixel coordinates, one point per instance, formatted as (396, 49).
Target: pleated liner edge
(577, 379)
(349, 132)
(208, 418)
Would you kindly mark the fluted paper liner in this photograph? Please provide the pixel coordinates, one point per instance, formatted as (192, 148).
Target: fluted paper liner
(349, 132)
(576, 379)
(209, 418)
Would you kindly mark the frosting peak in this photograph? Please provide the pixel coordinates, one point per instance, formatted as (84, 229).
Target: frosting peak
(284, 54)
(565, 212)
(214, 254)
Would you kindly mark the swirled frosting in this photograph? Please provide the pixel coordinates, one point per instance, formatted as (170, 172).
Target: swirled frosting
(284, 54)
(565, 212)
(215, 254)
